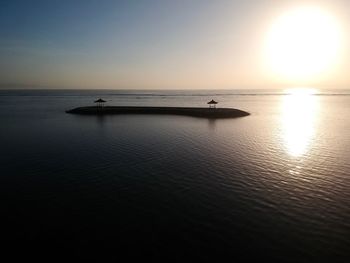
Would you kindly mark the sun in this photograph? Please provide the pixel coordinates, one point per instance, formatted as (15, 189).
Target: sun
(302, 44)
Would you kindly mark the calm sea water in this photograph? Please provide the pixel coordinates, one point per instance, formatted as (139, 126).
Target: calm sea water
(274, 185)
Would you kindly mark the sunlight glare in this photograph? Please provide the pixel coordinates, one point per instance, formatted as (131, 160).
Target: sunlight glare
(299, 114)
(302, 44)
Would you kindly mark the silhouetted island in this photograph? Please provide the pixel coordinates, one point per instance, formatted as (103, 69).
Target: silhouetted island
(211, 113)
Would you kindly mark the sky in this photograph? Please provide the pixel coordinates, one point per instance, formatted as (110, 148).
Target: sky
(153, 44)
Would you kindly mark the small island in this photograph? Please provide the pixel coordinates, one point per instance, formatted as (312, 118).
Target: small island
(211, 113)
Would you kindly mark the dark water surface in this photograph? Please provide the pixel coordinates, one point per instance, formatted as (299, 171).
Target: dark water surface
(274, 185)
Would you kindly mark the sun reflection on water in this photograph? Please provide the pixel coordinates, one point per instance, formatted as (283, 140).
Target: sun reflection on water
(299, 113)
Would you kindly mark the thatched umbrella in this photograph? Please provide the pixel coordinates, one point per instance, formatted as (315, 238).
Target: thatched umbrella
(212, 104)
(100, 102)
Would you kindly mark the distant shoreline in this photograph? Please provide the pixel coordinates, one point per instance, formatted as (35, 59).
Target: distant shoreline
(219, 113)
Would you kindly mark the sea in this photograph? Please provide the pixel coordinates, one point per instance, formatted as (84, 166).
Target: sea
(273, 186)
